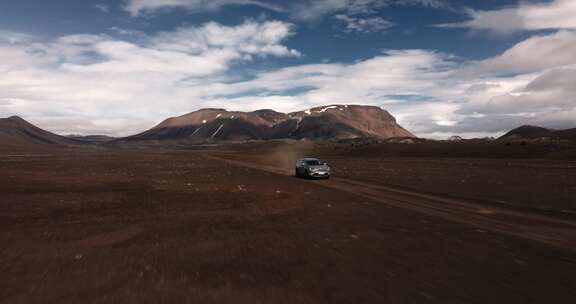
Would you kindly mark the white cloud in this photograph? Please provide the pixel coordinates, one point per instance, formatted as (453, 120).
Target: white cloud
(126, 32)
(137, 7)
(535, 54)
(556, 14)
(551, 91)
(13, 57)
(371, 81)
(358, 16)
(313, 9)
(102, 7)
(104, 81)
(431, 94)
(298, 9)
(9, 37)
(250, 38)
(99, 84)
(132, 87)
(364, 25)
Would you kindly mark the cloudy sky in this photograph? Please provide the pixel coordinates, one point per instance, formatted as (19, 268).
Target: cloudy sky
(442, 67)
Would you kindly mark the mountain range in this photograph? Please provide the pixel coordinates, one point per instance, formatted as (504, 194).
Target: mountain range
(335, 122)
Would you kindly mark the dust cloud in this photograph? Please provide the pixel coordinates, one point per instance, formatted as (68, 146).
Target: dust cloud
(284, 157)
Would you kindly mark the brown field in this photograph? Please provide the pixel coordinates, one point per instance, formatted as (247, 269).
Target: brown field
(231, 225)
(537, 177)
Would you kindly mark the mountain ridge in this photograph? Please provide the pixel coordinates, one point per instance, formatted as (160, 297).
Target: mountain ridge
(15, 130)
(529, 132)
(333, 122)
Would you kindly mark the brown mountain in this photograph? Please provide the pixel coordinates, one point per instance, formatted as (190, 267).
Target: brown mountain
(15, 131)
(334, 122)
(535, 133)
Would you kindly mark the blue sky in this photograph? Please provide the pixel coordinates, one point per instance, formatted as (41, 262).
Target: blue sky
(442, 67)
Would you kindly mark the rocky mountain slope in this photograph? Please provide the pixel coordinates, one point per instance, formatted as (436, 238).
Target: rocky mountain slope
(17, 131)
(539, 133)
(334, 122)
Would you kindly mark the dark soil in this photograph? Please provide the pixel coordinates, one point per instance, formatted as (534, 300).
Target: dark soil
(162, 226)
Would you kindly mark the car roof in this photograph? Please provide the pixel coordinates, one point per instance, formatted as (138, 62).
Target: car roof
(303, 159)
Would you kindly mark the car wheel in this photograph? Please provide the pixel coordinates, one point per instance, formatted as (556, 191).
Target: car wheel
(307, 174)
(297, 173)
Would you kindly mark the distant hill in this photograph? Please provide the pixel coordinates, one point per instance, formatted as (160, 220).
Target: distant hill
(92, 139)
(17, 131)
(536, 133)
(335, 122)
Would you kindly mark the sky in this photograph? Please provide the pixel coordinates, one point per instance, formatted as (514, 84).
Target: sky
(441, 67)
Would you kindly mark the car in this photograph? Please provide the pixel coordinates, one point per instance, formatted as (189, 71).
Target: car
(312, 168)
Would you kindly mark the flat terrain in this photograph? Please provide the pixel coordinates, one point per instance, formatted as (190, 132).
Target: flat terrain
(535, 177)
(228, 226)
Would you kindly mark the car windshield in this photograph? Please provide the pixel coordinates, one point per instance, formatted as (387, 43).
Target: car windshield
(313, 163)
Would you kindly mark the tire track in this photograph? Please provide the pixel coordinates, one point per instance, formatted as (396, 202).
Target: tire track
(535, 227)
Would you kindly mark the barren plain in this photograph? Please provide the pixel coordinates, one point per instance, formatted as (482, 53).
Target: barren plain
(230, 224)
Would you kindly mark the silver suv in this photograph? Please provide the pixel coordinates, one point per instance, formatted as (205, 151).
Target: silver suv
(312, 168)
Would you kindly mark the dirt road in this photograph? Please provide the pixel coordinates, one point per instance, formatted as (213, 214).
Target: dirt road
(546, 229)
